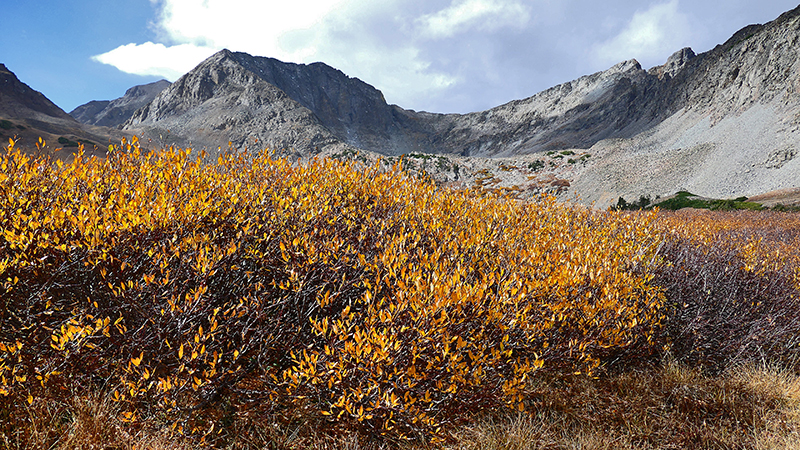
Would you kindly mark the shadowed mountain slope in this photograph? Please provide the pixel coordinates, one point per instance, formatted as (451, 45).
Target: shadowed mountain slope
(27, 115)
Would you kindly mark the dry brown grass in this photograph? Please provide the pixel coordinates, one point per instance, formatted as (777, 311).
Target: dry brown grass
(87, 422)
(669, 407)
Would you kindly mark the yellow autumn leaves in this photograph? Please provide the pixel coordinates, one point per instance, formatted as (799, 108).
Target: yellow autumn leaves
(363, 296)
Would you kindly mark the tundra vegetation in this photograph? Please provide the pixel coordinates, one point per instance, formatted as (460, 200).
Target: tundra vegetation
(165, 300)
(685, 199)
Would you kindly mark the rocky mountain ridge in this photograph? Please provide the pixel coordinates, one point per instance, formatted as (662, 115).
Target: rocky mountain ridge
(356, 114)
(221, 103)
(113, 113)
(722, 123)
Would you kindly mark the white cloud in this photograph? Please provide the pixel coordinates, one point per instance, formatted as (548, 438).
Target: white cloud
(301, 31)
(156, 59)
(195, 29)
(650, 36)
(461, 15)
(240, 24)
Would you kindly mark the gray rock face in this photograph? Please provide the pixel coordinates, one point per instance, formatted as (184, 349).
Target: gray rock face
(674, 64)
(114, 113)
(221, 102)
(352, 110)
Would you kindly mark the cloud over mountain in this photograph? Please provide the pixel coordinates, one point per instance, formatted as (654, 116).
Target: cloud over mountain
(649, 34)
(433, 55)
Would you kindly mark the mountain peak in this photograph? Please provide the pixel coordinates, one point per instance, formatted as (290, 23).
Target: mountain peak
(145, 90)
(675, 63)
(630, 65)
(350, 110)
(17, 99)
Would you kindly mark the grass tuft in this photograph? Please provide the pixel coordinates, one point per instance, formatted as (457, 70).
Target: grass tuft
(665, 407)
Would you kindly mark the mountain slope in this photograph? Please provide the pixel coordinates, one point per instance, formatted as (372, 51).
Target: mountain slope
(730, 127)
(721, 123)
(116, 112)
(88, 112)
(220, 102)
(27, 115)
(17, 99)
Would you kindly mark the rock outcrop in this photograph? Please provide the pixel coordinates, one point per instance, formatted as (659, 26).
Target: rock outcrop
(116, 112)
(220, 103)
(675, 63)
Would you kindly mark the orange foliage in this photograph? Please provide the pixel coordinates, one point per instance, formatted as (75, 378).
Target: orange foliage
(766, 241)
(365, 298)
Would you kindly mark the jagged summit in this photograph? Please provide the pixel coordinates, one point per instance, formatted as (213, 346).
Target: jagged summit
(693, 122)
(220, 101)
(675, 63)
(233, 97)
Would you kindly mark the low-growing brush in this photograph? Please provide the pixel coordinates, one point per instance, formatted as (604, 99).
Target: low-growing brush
(346, 296)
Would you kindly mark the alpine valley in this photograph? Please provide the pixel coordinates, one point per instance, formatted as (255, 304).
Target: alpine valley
(722, 124)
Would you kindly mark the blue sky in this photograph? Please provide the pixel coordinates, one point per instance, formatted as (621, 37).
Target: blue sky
(434, 55)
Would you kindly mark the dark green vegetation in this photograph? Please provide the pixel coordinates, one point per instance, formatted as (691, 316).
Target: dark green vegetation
(67, 142)
(685, 199)
(536, 165)
(6, 125)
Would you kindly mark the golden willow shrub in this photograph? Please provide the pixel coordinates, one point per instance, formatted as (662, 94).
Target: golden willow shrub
(249, 287)
(765, 240)
(732, 280)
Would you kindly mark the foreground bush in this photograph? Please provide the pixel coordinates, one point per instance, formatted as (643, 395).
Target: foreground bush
(249, 288)
(731, 281)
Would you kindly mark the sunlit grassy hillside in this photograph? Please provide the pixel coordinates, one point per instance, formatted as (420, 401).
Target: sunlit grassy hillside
(247, 300)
